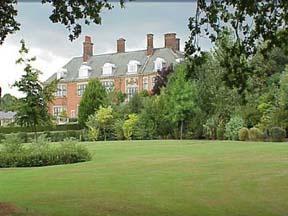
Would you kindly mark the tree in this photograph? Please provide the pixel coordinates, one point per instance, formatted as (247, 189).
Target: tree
(9, 103)
(69, 13)
(129, 126)
(94, 96)
(101, 121)
(161, 79)
(251, 21)
(33, 107)
(180, 97)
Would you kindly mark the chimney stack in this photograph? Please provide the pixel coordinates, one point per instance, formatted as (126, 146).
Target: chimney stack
(121, 45)
(150, 46)
(87, 49)
(170, 41)
(178, 44)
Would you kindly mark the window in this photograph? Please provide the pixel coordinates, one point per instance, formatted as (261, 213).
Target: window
(73, 114)
(131, 91)
(153, 81)
(159, 63)
(84, 71)
(133, 66)
(61, 90)
(108, 69)
(108, 85)
(145, 83)
(61, 73)
(81, 88)
(58, 110)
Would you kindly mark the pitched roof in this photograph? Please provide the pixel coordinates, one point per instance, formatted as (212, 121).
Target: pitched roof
(120, 60)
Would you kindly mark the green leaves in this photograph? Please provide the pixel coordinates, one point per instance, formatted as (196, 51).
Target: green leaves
(94, 96)
(33, 107)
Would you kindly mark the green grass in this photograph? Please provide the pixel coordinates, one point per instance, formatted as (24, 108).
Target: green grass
(155, 178)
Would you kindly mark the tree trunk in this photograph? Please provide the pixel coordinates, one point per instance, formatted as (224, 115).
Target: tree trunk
(181, 130)
(104, 134)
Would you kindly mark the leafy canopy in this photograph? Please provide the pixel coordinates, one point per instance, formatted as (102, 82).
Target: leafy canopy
(93, 98)
(33, 107)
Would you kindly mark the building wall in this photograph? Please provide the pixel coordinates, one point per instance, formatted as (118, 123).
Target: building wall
(71, 101)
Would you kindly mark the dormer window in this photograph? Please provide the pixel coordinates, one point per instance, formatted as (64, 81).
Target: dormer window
(133, 67)
(61, 73)
(159, 63)
(108, 69)
(84, 71)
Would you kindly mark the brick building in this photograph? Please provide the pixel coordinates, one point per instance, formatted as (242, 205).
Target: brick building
(129, 72)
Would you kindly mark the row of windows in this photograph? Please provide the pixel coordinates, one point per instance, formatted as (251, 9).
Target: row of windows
(108, 69)
(61, 111)
(109, 85)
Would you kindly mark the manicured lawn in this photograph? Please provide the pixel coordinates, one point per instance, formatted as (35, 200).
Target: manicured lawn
(155, 178)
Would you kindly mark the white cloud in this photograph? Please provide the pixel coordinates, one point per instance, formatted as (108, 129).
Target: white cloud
(47, 62)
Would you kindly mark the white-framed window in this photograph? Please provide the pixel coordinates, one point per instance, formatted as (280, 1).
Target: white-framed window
(131, 91)
(153, 81)
(108, 85)
(73, 114)
(159, 63)
(81, 88)
(61, 73)
(108, 69)
(84, 71)
(58, 110)
(132, 67)
(61, 90)
(145, 83)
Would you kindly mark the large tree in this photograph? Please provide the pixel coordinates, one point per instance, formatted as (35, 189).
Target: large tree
(70, 13)
(33, 107)
(94, 96)
(250, 22)
(180, 97)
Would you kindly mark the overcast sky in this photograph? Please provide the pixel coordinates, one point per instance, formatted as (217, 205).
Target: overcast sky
(49, 42)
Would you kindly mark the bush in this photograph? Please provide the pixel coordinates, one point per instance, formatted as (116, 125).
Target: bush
(71, 126)
(232, 128)
(255, 134)
(118, 129)
(12, 144)
(243, 134)
(2, 137)
(129, 126)
(23, 136)
(220, 133)
(277, 134)
(43, 154)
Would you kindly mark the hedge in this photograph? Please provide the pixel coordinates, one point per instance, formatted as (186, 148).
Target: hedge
(66, 153)
(8, 130)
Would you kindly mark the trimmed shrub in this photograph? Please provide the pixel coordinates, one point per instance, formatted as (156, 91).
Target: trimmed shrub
(277, 134)
(243, 134)
(232, 128)
(255, 134)
(71, 126)
(44, 154)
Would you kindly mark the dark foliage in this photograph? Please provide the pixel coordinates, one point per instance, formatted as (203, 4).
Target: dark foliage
(69, 13)
(161, 79)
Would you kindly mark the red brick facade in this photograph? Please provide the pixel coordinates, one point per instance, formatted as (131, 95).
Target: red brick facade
(68, 96)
